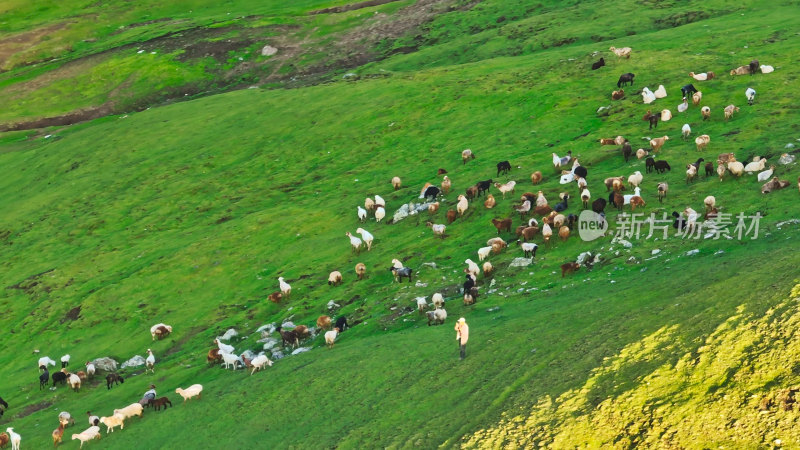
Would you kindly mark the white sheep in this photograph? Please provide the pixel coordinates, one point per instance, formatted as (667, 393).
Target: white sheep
(472, 268)
(150, 362)
(113, 421)
(766, 175)
(259, 362)
(666, 115)
(229, 359)
(45, 361)
(90, 369)
(540, 199)
(330, 337)
(624, 52)
(533, 222)
(462, 205)
(710, 202)
(529, 248)
(661, 92)
(729, 110)
(635, 179)
(506, 188)
(702, 141)
(355, 242)
(705, 111)
(438, 229)
(699, 76)
(134, 409)
(483, 253)
(195, 390)
(366, 236)
(750, 93)
(648, 96)
(736, 168)
(379, 202)
(438, 315)
(380, 213)
(156, 326)
(335, 278)
(488, 268)
(691, 218)
(437, 300)
(362, 214)
(641, 153)
(285, 287)
(396, 183)
(696, 97)
(683, 106)
(74, 382)
(581, 183)
(757, 165)
(637, 192)
(421, 304)
(86, 435)
(585, 197)
(686, 130)
(65, 361)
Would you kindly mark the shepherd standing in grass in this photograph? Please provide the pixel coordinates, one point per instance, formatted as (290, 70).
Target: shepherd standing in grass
(462, 335)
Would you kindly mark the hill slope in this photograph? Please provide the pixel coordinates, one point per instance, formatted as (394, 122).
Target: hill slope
(188, 213)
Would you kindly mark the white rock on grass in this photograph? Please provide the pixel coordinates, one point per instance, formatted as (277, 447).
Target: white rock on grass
(228, 334)
(105, 363)
(692, 252)
(136, 361)
(521, 262)
(299, 350)
(268, 50)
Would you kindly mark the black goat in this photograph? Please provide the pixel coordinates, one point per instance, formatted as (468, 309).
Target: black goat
(341, 323)
(754, 65)
(709, 168)
(653, 119)
(624, 79)
(288, 337)
(400, 273)
(59, 377)
(431, 193)
(113, 378)
(688, 90)
(680, 222)
(697, 164)
(469, 284)
(599, 64)
(44, 378)
(649, 164)
(562, 205)
(503, 167)
(483, 186)
(4, 406)
(599, 205)
(627, 151)
(580, 171)
(662, 166)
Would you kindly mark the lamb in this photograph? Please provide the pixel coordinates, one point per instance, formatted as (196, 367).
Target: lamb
(323, 322)
(736, 168)
(366, 236)
(490, 201)
(160, 331)
(467, 154)
(65, 361)
(57, 435)
(487, 269)
(355, 243)
(150, 362)
(400, 273)
(741, 70)
(729, 110)
(624, 79)
(93, 420)
(649, 164)
(648, 96)
(502, 225)
(380, 213)
(721, 170)
(361, 270)
(259, 362)
(750, 93)
(286, 289)
(569, 268)
(600, 63)
(618, 95)
(536, 177)
(462, 205)
(87, 435)
(330, 337)
(446, 184)
(585, 197)
(758, 164)
(112, 379)
(662, 191)
(74, 382)
(438, 229)
(396, 183)
(134, 409)
(686, 130)
(765, 175)
(624, 52)
(653, 119)
(657, 143)
(505, 188)
(710, 202)
(483, 253)
(472, 268)
(437, 316)
(438, 301)
(159, 402)
(45, 361)
(397, 264)
(706, 112)
(433, 208)
(774, 184)
(113, 422)
(362, 214)
(684, 106)
(636, 179)
(369, 204)
(335, 278)
(641, 153)
(195, 390)
(702, 141)
(702, 76)
(696, 97)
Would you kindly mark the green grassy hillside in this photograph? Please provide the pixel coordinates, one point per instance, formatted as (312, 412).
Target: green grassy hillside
(188, 213)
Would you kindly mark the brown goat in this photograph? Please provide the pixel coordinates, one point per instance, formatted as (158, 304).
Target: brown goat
(563, 233)
(536, 177)
(451, 216)
(605, 141)
(471, 192)
(213, 356)
(569, 268)
(159, 402)
(323, 322)
(543, 210)
(528, 233)
(636, 201)
(301, 331)
(275, 297)
(609, 182)
(502, 225)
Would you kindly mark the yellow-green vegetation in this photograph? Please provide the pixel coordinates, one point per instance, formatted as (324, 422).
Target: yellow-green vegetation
(187, 213)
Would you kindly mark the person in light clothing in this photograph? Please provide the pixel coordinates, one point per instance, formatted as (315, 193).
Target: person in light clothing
(462, 335)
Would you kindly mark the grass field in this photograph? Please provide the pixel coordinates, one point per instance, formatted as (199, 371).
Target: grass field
(188, 212)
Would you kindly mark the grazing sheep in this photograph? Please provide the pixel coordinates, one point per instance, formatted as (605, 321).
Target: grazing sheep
(609, 182)
(93, 420)
(355, 243)
(600, 63)
(684, 106)
(471, 192)
(527, 233)
(585, 197)
(490, 202)
(624, 79)
(44, 361)
(437, 316)
(421, 304)
(162, 401)
(44, 377)
(726, 157)
(213, 356)
(626, 151)
(369, 204)
(721, 170)
(547, 233)
(736, 168)
(641, 153)
(649, 164)
(134, 409)
(624, 52)
(74, 382)
(487, 269)
(710, 202)
(484, 252)
(617, 200)
(774, 184)
(335, 278)
(438, 301)
(686, 130)
(65, 418)
(361, 270)
(502, 225)
(750, 93)
(366, 236)
(471, 296)
(112, 379)
(657, 143)
(757, 165)
(729, 110)
(113, 422)
(462, 205)
(379, 202)
(362, 214)
(396, 183)
(160, 331)
(636, 201)
(662, 191)
(702, 76)
(506, 188)
(258, 363)
(618, 186)
(323, 322)
(696, 97)
(451, 216)
(765, 175)
(503, 167)
(446, 185)
(691, 218)
(688, 90)
(636, 179)
(702, 141)
(648, 96)
(523, 209)
(59, 377)
(562, 205)
(618, 95)
(706, 112)
(569, 268)
(380, 213)
(438, 229)
(86, 435)
(603, 141)
(195, 390)
(709, 169)
(661, 92)
(65, 361)
(563, 233)
(691, 173)
(536, 177)
(666, 115)
(467, 154)
(330, 337)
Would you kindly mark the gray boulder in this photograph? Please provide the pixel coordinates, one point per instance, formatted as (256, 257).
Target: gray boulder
(105, 363)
